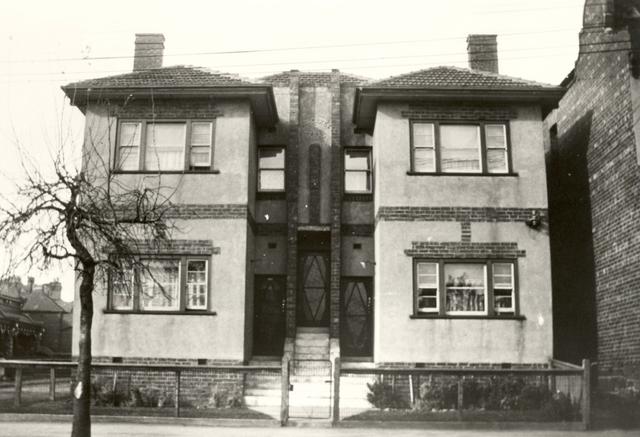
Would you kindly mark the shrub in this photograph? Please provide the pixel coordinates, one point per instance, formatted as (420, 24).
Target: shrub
(438, 394)
(224, 397)
(105, 394)
(382, 395)
(559, 407)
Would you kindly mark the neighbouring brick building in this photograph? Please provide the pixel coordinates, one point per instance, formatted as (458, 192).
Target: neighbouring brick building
(403, 220)
(594, 193)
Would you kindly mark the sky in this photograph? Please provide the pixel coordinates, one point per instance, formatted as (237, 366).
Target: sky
(45, 44)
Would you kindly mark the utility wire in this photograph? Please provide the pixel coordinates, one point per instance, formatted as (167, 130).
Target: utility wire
(355, 67)
(270, 50)
(316, 61)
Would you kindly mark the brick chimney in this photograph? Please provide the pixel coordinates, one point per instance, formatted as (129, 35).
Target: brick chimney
(149, 50)
(483, 53)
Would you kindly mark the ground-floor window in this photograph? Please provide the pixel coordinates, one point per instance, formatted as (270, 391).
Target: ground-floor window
(464, 287)
(159, 284)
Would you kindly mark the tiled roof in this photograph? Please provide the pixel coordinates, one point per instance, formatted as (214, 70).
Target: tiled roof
(178, 76)
(312, 78)
(458, 78)
(38, 301)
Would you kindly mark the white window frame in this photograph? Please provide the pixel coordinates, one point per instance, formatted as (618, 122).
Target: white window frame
(511, 309)
(479, 133)
(181, 304)
(486, 289)
(489, 287)
(504, 148)
(186, 147)
(193, 145)
(188, 305)
(176, 304)
(368, 170)
(116, 290)
(436, 126)
(427, 310)
(129, 146)
(269, 169)
(431, 147)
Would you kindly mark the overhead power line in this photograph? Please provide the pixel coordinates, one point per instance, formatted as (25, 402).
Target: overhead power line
(271, 50)
(321, 61)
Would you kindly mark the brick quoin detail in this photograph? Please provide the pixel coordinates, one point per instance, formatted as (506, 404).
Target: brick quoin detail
(458, 249)
(208, 211)
(292, 204)
(336, 207)
(460, 214)
(453, 112)
(465, 231)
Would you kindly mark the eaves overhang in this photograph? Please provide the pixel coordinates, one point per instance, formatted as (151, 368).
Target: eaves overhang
(261, 97)
(367, 99)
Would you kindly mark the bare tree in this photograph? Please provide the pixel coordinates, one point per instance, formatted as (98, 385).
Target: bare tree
(93, 219)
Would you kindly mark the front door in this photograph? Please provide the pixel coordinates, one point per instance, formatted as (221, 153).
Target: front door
(270, 304)
(356, 330)
(313, 288)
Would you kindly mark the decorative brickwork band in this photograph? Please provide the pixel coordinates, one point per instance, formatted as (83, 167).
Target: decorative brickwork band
(456, 213)
(169, 109)
(457, 112)
(468, 250)
(208, 211)
(175, 247)
(357, 230)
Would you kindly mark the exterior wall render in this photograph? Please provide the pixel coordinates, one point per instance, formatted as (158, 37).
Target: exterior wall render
(210, 207)
(471, 209)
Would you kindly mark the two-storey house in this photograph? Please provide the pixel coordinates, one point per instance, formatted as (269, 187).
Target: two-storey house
(398, 221)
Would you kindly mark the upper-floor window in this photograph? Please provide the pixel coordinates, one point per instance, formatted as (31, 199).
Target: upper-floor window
(271, 165)
(157, 284)
(438, 147)
(357, 170)
(459, 288)
(164, 145)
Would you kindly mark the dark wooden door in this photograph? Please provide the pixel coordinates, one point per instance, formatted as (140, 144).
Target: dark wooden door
(313, 288)
(356, 329)
(270, 304)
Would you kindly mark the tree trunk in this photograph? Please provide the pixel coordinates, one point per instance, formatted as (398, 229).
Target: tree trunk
(82, 385)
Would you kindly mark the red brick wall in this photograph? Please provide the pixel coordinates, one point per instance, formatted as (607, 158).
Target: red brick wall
(597, 112)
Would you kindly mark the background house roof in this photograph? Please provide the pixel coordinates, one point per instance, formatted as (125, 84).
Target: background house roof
(312, 78)
(40, 302)
(456, 77)
(175, 76)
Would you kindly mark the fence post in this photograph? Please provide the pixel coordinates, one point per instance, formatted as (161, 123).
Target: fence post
(52, 384)
(284, 403)
(586, 393)
(336, 391)
(460, 395)
(177, 395)
(17, 395)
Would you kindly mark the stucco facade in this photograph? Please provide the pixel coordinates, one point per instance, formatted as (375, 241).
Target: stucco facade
(313, 218)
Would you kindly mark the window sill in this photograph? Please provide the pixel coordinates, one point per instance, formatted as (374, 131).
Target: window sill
(357, 197)
(169, 313)
(469, 316)
(214, 171)
(418, 173)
